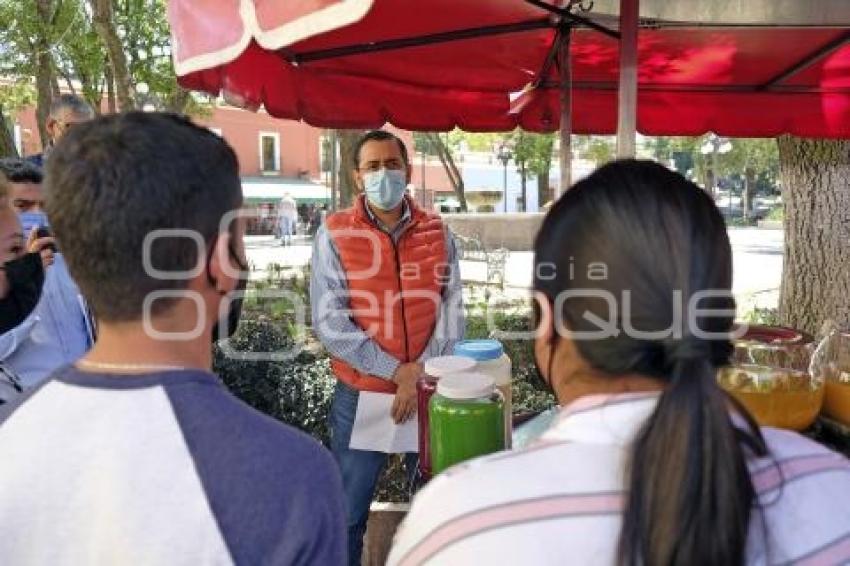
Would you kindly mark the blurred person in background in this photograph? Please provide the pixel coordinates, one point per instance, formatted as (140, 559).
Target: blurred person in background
(67, 111)
(287, 219)
(649, 462)
(137, 453)
(61, 328)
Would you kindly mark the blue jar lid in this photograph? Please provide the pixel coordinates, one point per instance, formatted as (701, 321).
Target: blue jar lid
(479, 350)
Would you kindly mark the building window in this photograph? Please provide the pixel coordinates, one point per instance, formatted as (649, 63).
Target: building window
(269, 152)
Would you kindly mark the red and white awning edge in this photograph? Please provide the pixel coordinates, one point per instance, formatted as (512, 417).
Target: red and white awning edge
(199, 43)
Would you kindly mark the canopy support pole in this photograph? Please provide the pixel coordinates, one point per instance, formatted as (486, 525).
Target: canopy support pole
(627, 104)
(565, 72)
(334, 171)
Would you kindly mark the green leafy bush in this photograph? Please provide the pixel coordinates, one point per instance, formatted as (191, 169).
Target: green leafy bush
(299, 392)
(296, 392)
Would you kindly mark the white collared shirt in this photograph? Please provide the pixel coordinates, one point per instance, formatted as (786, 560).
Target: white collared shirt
(559, 500)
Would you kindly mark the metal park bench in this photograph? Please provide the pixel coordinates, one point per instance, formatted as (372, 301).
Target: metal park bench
(471, 249)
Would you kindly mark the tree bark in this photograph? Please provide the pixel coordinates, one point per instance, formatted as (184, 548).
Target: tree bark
(44, 69)
(7, 140)
(347, 185)
(455, 178)
(709, 181)
(544, 194)
(816, 193)
(104, 24)
(109, 79)
(69, 81)
(749, 190)
(523, 176)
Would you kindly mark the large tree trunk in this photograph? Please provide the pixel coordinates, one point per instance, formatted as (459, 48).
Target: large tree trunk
(104, 24)
(347, 185)
(452, 171)
(109, 79)
(709, 181)
(749, 190)
(7, 140)
(816, 193)
(523, 176)
(544, 194)
(44, 70)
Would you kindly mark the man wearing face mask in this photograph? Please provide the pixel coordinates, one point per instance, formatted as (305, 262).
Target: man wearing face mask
(21, 278)
(386, 296)
(60, 329)
(137, 453)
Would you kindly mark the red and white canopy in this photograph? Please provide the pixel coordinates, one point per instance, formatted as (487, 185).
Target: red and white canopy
(438, 64)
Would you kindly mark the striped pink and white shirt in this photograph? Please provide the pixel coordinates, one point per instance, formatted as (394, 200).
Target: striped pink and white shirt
(559, 500)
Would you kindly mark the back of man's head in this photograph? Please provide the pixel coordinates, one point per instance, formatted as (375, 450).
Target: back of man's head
(113, 181)
(71, 104)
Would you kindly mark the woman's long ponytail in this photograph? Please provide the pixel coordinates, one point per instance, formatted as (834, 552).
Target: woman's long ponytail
(690, 494)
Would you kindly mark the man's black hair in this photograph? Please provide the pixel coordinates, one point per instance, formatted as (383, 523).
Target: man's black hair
(378, 135)
(21, 171)
(113, 181)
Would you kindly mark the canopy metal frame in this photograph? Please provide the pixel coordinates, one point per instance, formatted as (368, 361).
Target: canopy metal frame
(564, 21)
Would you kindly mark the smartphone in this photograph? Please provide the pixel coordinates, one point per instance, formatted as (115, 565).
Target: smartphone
(44, 232)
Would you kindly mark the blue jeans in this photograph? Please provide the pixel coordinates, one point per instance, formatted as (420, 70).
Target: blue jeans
(360, 468)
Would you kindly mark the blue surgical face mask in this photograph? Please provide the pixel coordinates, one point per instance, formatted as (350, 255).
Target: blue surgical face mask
(30, 220)
(385, 187)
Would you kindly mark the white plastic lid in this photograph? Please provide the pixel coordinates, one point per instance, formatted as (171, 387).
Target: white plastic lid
(447, 365)
(466, 386)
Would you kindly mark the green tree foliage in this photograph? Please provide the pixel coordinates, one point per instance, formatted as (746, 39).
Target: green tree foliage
(599, 149)
(60, 42)
(533, 154)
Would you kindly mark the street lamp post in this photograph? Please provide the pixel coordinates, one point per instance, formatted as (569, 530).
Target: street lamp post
(504, 155)
(715, 145)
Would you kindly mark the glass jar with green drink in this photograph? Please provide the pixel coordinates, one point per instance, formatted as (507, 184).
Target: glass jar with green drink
(466, 420)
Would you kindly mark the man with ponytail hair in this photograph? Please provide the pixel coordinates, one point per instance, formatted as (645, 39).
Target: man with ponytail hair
(648, 461)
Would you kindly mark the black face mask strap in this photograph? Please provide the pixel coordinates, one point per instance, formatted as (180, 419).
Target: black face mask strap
(243, 266)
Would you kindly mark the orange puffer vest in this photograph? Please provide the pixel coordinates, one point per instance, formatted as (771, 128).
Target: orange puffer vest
(395, 290)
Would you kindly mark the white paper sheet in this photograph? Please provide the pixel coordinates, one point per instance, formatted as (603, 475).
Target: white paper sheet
(375, 430)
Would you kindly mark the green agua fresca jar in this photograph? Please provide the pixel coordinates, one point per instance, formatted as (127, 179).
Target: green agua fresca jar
(466, 419)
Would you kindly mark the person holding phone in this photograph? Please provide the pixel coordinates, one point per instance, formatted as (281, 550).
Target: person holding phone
(22, 267)
(60, 329)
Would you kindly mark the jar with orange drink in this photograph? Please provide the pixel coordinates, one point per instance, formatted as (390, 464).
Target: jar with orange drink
(835, 352)
(772, 376)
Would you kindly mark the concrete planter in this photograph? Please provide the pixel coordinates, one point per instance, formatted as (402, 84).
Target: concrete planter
(384, 519)
(512, 231)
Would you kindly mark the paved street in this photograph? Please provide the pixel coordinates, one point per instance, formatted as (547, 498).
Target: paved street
(757, 265)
